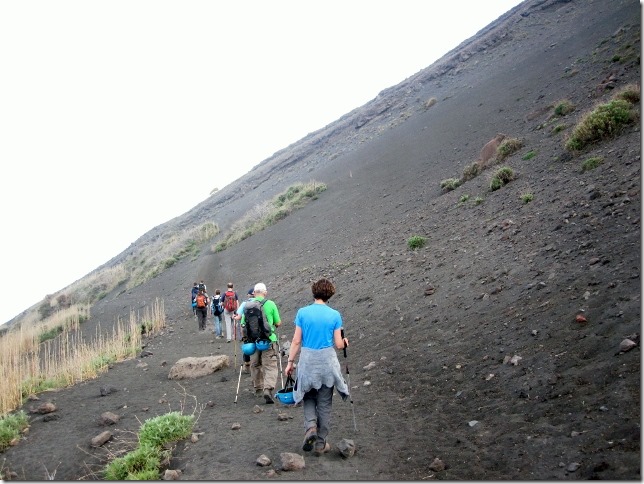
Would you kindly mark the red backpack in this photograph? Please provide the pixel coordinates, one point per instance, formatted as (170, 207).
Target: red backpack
(229, 301)
(201, 301)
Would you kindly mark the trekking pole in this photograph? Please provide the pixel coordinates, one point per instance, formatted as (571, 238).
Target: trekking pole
(235, 340)
(279, 352)
(353, 413)
(238, 381)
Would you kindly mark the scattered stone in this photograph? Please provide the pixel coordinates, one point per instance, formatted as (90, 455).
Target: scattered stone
(263, 460)
(506, 359)
(163, 363)
(210, 404)
(145, 354)
(604, 408)
(107, 390)
(257, 409)
(195, 367)
(172, 475)
(32, 397)
(282, 417)
(346, 447)
(109, 418)
(472, 423)
(367, 383)
(580, 318)
(291, 461)
(101, 438)
(50, 417)
(489, 377)
(236, 426)
(44, 408)
(573, 466)
(515, 360)
(369, 366)
(535, 332)
(627, 345)
(593, 261)
(162, 400)
(437, 465)
(142, 365)
(429, 290)
(194, 438)
(574, 433)
(145, 409)
(271, 473)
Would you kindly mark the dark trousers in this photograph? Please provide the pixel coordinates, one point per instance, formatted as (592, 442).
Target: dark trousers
(202, 314)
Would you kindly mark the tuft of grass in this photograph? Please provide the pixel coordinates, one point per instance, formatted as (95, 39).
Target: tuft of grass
(508, 147)
(478, 200)
(527, 197)
(629, 93)
(270, 212)
(11, 427)
(604, 122)
(416, 242)
(471, 171)
(501, 177)
(450, 184)
(564, 107)
(591, 163)
(464, 198)
(142, 464)
(529, 155)
(558, 128)
(166, 428)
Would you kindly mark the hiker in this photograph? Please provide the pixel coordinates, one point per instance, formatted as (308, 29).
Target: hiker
(202, 309)
(237, 317)
(231, 304)
(202, 286)
(317, 328)
(193, 295)
(217, 310)
(263, 363)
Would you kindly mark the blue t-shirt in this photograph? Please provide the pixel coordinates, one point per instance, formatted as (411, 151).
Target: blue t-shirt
(318, 322)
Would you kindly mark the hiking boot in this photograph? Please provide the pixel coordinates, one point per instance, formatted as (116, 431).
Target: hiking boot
(268, 397)
(321, 449)
(310, 437)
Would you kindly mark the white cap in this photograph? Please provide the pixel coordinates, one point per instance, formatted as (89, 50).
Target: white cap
(260, 287)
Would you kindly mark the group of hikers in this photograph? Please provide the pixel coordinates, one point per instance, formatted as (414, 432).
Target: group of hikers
(318, 333)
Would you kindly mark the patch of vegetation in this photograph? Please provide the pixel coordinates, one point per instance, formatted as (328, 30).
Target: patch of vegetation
(564, 107)
(591, 163)
(270, 212)
(527, 197)
(50, 333)
(450, 184)
(416, 242)
(11, 427)
(604, 122)
(478, 200)
(144, 463)
(508, 147)
(558, 128)
(529, 155)
(464, 198)
(501, 177)
(471, 171)
(629, 93)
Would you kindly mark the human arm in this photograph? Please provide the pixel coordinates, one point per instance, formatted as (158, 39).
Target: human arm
(340, 342)
(296, 344)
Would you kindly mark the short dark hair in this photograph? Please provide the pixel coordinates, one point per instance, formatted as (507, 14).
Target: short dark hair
(323, 289)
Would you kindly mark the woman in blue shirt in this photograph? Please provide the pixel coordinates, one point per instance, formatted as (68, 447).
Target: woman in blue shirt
(317, 329)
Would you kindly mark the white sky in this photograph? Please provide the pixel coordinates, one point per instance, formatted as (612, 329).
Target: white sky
(117, 116)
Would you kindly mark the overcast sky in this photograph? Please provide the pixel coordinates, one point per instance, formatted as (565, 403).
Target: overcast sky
(117, 116)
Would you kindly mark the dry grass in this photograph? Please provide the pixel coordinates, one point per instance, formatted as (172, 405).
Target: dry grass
(27, 366)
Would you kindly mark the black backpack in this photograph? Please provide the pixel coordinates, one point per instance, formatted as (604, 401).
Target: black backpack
(256, 328)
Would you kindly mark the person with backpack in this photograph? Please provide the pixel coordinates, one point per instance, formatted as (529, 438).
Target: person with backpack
(217, 310)
(202, 309)
(202, 287)
(231, 304)
(260, 320)
(238, 316)
(193, 295)
(318, 328)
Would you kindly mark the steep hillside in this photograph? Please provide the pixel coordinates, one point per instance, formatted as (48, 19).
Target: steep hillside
(468, 350)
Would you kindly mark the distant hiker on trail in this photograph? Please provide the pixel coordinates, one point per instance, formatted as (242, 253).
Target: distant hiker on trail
(263, 363)
(237, 317)
(202, 309)
(193, 295)
(217, 310)
(231, 304)
(317, 328)
(202, 287)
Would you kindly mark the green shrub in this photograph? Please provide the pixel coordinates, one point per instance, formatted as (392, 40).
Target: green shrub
(502, 177)
(605, 121)
(166, 428)
(564, 107)
(630, 93)
(591, 163)
(508, 147)
(478, 200)
(527, 197)
(50, 334)
(471, 171)
(143, 463)
(416, 242)
(450, 184)
(529, 155)
(558, 128)
(464, 198)
(11, 426)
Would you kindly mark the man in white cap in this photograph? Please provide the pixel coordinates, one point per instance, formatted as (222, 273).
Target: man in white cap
(263, 364)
